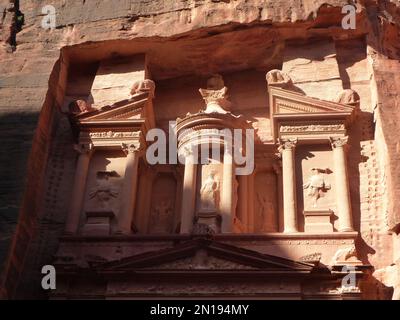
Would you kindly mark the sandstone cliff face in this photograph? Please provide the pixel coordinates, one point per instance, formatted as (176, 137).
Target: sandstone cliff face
(212, 35)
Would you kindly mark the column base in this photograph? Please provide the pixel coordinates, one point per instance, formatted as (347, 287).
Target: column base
(290, 231)
(318, 221)
(346, 230)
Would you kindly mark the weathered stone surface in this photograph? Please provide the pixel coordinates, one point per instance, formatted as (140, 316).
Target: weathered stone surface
(41, 71)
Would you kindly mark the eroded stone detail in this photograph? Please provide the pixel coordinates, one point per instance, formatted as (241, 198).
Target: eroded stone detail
(216, 96)
(316, 185)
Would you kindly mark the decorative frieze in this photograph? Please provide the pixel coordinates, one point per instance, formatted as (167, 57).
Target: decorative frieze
(313, 128)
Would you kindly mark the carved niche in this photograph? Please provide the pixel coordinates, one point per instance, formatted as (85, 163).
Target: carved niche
(163, 204)
(265, 202)
(208, 196)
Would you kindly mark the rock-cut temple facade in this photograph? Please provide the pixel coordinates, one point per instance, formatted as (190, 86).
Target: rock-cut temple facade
(200, 149)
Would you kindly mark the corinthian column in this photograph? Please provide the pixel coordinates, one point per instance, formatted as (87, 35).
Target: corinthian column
(287, 150)
(227, 193)
(189, 191)
(78, 191)
(125, 216)
(342, 184)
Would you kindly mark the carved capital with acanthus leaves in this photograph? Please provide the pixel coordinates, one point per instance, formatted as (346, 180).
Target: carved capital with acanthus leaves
(287, 144)
(339, 142)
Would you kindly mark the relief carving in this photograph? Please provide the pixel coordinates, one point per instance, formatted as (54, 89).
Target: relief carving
(113, 135)
(316, 185)
(312, 128)
(209, 194)
(266, 202)
(266, 209)
(163, 204)
(104, 191)
(161, 217)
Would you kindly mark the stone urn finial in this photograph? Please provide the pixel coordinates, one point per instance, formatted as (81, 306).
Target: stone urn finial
(142, 86)
(279, 78)
(349, 97)
(216, 95)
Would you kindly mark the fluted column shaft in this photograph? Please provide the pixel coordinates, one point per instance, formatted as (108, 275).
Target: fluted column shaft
(287, 150)
(227, 194)
(189, 193)
(79, 188)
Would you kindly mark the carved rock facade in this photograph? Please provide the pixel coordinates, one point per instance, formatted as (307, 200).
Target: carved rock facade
(325, 155)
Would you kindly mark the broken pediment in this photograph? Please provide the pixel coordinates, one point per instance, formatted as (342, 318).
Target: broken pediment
(124, 122)
(287, 102)
(128, 109)
(299, 114)
(205, 255)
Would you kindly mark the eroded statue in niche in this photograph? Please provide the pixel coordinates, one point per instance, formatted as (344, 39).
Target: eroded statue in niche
(265, 210)
(162, 217)
(316, 185)
(104, 190)
(209, 194)
(216, 96)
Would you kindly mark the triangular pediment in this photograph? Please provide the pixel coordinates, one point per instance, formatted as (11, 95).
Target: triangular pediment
(125, 110)
(203, 255)
(285, 102)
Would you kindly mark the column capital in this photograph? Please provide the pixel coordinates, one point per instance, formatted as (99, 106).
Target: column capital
(339, 142)
(131, 148)
(287, 144)
(84, 148)
(188, 151)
